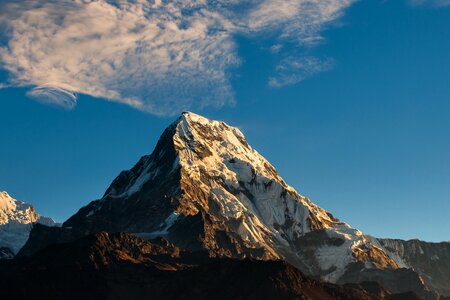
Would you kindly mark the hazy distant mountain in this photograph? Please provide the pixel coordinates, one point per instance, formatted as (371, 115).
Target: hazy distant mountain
(430, 260)
(204, 188)
(16, 221)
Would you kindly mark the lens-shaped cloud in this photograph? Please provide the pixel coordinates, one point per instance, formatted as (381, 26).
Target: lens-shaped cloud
(157, 56)
(54, 96)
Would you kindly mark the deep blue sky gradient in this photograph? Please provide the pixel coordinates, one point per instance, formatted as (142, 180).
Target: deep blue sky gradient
(368, 140)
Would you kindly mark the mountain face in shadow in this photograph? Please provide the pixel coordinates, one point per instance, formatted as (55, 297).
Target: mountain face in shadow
(430, 260)
(124, 266)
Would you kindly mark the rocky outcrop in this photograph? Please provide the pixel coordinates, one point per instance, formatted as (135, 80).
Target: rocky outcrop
(430, 260)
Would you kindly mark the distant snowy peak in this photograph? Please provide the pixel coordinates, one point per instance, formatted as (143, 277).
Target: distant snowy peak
(430, 260)
(16, 220)
(12, 210)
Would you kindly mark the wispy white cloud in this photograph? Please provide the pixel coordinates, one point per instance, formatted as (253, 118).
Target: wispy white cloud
(157, 56)
(300, 21)
(292, 70)
(4, 85)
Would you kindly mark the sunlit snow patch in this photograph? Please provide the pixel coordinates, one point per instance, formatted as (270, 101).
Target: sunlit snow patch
(163, 227)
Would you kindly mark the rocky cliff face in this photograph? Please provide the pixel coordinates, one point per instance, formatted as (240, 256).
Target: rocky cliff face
(16, 221)
(205, 188)
(430, 260)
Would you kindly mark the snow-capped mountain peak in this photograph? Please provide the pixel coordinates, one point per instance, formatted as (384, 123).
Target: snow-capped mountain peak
(243, 188)
(217, 158)
(205, 187)
(12, 210)
(16, 220)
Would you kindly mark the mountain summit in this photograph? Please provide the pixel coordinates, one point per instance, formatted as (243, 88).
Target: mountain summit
(205, 188)
(16, 220)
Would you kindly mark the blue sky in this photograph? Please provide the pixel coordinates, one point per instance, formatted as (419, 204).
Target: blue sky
(358, 120)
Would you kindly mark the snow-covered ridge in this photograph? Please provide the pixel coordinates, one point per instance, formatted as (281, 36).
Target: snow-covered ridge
(12, 210)
(228, 156)
(16, 220)
(248, 190)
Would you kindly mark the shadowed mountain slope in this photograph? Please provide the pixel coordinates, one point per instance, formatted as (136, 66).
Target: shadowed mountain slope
(123, 266)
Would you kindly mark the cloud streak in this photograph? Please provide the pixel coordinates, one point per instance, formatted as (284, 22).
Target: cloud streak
(292, 70)
(157, 56)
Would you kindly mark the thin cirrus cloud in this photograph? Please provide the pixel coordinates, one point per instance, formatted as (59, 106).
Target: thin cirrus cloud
(156, 56)
(295, 69)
